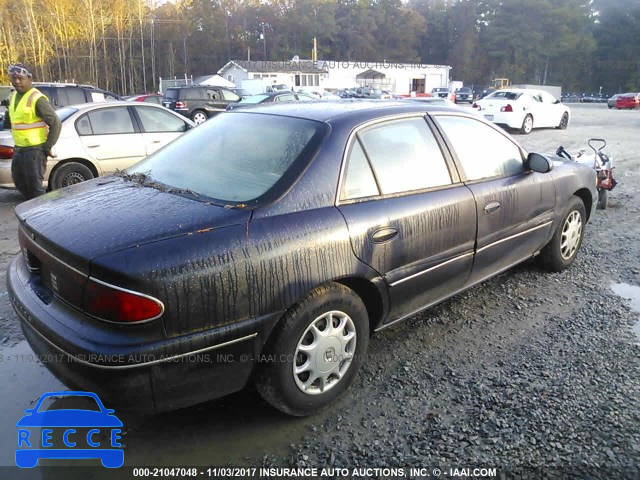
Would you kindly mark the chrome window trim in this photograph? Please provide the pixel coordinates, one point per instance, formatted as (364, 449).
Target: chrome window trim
(514, 236)
(459, 257)
(347, 149)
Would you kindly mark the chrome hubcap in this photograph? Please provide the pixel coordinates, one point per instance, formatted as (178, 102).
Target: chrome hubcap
(324, 352)
(571, 233)
(199, 118)
(528, 124)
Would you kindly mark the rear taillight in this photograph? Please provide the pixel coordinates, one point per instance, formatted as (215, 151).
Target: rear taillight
(507, 108)
(475, 105)
(119, 305)
(6, 152)
(180, 105)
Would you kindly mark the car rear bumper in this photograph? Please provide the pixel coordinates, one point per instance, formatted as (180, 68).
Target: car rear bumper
(510, 119)
(133, 378)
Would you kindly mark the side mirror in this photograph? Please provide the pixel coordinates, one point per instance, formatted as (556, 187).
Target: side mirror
(538, 163)
(556, 102)
(4, 103)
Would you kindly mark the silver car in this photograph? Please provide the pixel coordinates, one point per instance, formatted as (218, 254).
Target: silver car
(100, 138)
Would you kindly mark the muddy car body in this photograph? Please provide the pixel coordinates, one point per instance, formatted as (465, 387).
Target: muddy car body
(181, 285)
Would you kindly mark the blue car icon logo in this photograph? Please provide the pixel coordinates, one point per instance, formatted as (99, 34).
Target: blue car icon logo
(69, 433)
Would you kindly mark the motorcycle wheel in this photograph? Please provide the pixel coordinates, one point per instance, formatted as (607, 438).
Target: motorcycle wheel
(603, 199)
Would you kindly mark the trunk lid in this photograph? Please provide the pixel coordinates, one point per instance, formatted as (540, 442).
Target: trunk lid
(101, 216)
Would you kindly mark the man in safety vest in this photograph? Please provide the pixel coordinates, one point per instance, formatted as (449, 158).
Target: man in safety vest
(35, 128)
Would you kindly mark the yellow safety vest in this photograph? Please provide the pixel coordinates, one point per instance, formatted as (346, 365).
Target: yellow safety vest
(27, 128)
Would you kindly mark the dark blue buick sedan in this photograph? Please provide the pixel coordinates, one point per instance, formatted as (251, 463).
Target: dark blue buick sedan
(268, 245)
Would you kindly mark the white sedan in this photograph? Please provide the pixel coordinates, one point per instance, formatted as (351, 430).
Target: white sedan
(523, 109)
(100, 138)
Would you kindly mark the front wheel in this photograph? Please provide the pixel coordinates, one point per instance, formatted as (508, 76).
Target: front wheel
(315, 352)
(603, 199)
(69, 174)
(563, 248)
(527, 125)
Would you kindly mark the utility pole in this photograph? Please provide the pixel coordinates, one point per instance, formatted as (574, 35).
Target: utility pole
(263, 37)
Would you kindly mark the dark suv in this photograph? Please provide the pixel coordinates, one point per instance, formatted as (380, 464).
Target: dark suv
(199, 102)
(61, 94)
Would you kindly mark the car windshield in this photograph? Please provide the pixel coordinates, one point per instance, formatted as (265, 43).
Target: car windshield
(65, 112)
(464, 90)
(254, 99)
(501, 95)
(441, 89)
(235, 157)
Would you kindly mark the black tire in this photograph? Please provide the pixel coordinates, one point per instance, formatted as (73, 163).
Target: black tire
(70, 173)
(275, 378)
(564, 121)
(527, 125)
(199, 116)
(563, 248)
(603, 199)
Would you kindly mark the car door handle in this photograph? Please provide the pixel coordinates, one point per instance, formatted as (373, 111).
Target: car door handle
(156, 141)
(491, 207)
(93, 146)
(384, 234)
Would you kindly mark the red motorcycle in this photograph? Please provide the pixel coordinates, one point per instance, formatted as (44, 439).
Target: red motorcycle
(601, 163)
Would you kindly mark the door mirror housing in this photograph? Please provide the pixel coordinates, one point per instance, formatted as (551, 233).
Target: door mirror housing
(538, 163)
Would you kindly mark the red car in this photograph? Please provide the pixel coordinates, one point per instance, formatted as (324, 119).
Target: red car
(628, 100)
(146, 97)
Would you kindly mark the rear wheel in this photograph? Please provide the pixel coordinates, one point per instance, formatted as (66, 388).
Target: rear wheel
(199, 117)
(603, 199)
(69, 174)
(527, 125)
(564, 121)
(315, 352)
(563, 248)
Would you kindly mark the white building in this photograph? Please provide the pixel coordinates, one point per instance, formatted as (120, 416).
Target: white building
(401, 78)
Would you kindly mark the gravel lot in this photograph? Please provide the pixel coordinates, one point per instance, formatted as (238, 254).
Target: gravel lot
(534, 373)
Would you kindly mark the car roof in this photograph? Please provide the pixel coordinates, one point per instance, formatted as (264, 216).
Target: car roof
(85, 107)
(327, 110)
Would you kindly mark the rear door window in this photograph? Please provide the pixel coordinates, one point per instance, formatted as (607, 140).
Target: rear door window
(405, 156)
(108, 121)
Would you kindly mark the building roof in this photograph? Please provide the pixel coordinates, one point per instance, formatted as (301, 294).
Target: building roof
(275, 66)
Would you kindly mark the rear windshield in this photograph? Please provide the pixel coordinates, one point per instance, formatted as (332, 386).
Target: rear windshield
(172, 93)
(506, 95)
(65, 112)
(236, 157)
